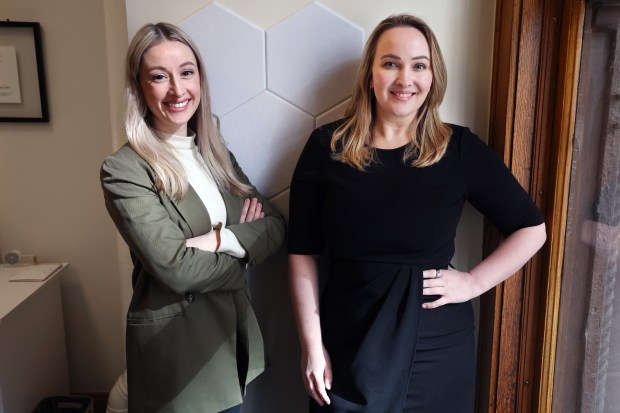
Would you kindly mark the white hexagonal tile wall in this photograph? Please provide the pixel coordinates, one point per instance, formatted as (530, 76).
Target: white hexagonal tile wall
(263, 13)
(233, 51)
(332, 114)
(312, 58)
(267, 135)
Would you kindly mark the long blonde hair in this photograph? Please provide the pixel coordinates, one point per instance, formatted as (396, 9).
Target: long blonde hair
(170, 174)
(429, 139)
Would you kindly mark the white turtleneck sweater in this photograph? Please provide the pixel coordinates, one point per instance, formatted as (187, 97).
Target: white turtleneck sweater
(200, 179)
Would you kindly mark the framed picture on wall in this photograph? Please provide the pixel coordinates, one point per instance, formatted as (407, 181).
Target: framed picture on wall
(23, 96)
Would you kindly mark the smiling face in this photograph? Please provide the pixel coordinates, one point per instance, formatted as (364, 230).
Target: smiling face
(401, 74)
(170, 82)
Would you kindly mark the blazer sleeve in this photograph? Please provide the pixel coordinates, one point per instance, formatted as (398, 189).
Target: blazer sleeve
(148, 222)
(263, 237)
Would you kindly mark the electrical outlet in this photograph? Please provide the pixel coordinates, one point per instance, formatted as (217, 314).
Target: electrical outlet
(16, 258)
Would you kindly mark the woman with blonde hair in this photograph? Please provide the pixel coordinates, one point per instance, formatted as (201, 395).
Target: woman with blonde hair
(193, 223)
(381, 192)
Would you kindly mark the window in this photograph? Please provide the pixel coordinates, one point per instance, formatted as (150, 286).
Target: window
(587, 369)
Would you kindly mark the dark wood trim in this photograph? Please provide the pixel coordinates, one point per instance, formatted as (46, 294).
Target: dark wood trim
(558, 190)
(532, 107)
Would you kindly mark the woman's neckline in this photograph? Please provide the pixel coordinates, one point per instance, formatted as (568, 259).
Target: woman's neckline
(180, 141)
(398, 148)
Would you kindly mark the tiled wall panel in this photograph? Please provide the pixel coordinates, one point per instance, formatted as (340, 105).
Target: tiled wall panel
(312, 58)
(233, 51)
(269, 89)
(266, 134)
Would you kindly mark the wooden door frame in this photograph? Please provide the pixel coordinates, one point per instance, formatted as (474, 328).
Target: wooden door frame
(533, 104)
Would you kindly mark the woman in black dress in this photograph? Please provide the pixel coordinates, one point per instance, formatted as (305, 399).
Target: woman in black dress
(381, 193)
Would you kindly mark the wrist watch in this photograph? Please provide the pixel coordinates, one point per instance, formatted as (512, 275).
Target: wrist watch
(218, 239)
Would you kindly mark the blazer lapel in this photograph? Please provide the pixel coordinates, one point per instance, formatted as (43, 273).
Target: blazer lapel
(233, 208)
(196, 215)
(194, 212)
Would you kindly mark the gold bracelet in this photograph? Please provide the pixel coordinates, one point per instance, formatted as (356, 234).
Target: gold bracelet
(218, 239)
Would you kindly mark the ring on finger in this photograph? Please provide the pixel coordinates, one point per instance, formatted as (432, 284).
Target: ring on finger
(438, 273)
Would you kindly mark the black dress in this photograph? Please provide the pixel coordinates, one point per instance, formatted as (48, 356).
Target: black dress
(380, 229)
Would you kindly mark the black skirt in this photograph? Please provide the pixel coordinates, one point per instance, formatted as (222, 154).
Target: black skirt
(388, 354)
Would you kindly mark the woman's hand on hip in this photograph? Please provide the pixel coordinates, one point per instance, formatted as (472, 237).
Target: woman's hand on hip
(317, 374)
(450, 285)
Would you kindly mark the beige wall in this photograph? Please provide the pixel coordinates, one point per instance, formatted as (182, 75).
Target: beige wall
(51, 202)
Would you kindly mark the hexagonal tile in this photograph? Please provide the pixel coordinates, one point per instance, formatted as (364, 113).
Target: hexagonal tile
(332, 114)
(263, 13)
(233, 51)
(312, 58)
(267, 135)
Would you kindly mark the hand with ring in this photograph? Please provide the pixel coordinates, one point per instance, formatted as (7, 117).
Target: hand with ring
(451, 285)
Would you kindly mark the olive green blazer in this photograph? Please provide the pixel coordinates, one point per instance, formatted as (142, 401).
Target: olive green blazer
(190, 313)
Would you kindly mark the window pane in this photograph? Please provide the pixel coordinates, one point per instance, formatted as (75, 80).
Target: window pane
(587, 374)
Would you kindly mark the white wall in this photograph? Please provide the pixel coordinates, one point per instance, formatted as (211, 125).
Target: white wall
(51, 202)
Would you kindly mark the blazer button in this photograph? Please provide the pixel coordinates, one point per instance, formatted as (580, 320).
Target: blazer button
(189, 297)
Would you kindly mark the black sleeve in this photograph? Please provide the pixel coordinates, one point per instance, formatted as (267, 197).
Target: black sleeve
(307, 197)
(491, 187)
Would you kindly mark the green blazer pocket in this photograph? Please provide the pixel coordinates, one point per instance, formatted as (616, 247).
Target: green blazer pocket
(154, 316)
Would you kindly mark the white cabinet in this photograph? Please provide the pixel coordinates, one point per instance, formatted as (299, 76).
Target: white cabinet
(33, 351)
